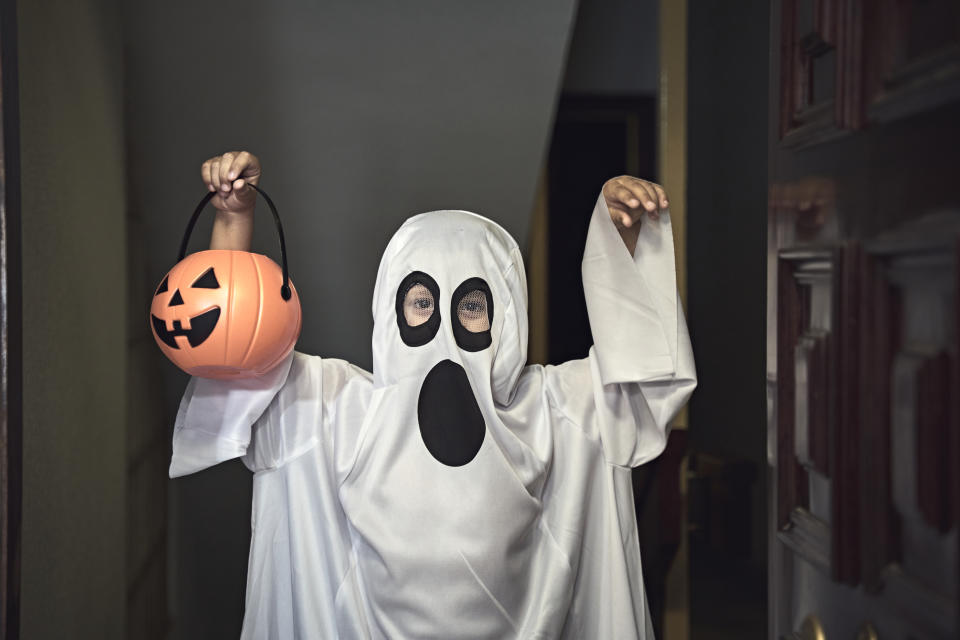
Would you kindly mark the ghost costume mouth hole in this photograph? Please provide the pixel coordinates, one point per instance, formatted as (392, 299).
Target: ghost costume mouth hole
(451, 423)
(201, 327)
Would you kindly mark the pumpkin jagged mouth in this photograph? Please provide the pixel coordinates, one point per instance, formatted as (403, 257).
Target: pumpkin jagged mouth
(200, 328)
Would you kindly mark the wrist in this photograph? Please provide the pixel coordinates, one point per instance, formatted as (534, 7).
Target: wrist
(233, 216)
(232, 230)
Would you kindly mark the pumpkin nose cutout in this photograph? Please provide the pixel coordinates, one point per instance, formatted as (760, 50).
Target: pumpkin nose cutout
(176, 299)
(451, 423)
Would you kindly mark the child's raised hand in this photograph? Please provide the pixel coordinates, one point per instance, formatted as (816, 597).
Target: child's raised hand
(227, 175)
(628, 198)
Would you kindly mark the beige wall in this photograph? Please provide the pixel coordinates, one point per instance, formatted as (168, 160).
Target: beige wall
(74, 320)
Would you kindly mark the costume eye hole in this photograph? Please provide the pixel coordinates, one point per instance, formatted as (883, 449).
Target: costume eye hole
(207, 281)
(472, 311)
(163, 286)
(418, 318)
(418, 305)
(472, 304)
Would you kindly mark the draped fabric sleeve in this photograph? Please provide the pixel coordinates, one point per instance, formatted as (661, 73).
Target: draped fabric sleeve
(266, 420)
(640, 370)
(301, 581)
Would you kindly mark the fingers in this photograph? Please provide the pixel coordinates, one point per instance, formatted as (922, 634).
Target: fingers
(230, 171)
(205, 174)
(620, 217)
(245, 165)
(633, 192)
(619, 202)
(211, 173)
(644, 193)
(628, 198)
(662, 196)
(226, 162)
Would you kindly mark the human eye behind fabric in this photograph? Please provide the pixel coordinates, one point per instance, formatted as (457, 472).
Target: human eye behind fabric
(418, 305)
(418, 318)
(472, 311)
(472, 308)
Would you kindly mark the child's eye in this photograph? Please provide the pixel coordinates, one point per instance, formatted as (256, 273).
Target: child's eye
(472, 311)
(418, 305)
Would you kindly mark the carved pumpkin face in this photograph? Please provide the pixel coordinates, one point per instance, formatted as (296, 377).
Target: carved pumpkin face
(219, 314)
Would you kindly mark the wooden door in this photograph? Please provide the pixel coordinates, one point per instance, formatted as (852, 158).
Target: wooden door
(862, 326)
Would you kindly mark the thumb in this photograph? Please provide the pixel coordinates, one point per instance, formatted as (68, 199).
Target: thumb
(241, 196)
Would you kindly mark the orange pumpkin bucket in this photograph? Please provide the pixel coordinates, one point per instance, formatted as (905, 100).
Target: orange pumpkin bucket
(226, 314)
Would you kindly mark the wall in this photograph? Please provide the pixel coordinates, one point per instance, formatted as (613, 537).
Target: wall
(614, 48)
(74, 320)
(147, 451)
(363, 114)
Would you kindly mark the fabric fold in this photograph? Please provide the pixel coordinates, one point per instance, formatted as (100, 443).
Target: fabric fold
(632, 303)
(215, 419)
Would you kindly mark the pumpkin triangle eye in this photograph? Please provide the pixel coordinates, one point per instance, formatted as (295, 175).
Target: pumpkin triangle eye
(163, 285)
(207, 281)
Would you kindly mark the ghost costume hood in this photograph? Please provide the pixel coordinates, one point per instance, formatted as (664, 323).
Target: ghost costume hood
(450, 302)
(455, 493)
(452, 252)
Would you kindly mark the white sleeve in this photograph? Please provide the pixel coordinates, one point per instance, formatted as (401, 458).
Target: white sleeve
(216, 418)
(640, 368)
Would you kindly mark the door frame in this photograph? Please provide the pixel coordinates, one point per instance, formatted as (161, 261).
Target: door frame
(11, 334)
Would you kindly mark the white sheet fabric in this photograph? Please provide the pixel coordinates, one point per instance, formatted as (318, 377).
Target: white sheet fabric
(358, 532)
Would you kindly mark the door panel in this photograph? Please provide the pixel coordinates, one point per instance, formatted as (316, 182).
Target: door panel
(862, 325)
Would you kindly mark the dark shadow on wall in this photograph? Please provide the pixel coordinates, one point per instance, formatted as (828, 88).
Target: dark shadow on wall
(726, 242)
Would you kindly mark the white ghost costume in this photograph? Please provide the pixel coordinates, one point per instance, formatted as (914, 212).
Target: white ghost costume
(378, 513)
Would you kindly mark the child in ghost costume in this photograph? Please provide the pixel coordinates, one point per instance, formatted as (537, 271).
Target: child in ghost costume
(455, 492)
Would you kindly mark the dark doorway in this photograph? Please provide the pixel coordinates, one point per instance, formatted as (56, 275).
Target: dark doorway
(595, 138)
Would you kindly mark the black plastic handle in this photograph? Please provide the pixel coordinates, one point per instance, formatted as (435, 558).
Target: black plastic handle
(285, 288)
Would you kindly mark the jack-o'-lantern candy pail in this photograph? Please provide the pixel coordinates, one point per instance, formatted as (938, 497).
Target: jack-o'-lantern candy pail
(226, 314)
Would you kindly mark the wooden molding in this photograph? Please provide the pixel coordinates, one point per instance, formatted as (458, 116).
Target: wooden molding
(812, 401)
(913, 70)
(882, 67)
(880, 329)
(817, 407)
(934, 422)
(844, 438)
(791, 481)
(808, 537)
(909, 345)
(820, 39)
